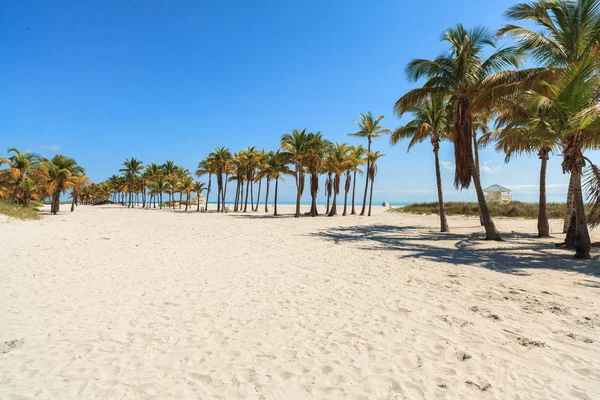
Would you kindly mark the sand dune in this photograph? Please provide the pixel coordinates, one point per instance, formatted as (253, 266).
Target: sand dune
(111, 303)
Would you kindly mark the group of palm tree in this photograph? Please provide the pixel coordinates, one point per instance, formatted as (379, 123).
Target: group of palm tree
(474, 94)
(551, 108)
(301, 153)
(28, 176)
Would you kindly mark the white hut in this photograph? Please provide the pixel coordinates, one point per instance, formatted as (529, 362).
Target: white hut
(497, 193)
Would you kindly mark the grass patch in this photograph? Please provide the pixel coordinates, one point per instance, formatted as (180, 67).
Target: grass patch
(18, 212)
(514, 209)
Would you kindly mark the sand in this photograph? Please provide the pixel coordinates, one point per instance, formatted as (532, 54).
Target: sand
(111, 303)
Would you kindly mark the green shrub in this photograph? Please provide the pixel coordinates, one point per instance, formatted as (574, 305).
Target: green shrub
(16, 211)
(514, 209)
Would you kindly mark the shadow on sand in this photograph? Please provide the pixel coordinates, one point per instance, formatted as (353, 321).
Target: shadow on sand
(515, 255)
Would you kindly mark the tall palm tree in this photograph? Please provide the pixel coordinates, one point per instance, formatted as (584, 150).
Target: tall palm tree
(222, 161)
(278, 168)
(296, 146)
(19, 166)
(430, 121)
(64, 174)
(373, 157)
(132, 167)
(370, 129)
(526, 128)
(358, 153)
(161, 187)
(566, 45)
(471, 83)
(181, 173)
(187, 187)
(206, 167)
(336, 163)
(198, 189)
(153, 172)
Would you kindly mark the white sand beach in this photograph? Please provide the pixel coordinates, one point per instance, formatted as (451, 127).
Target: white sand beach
(112, 303)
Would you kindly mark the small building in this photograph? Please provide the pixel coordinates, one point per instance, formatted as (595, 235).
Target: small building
(497, 193)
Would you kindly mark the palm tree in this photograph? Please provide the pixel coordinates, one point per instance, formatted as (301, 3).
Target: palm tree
(19, 166)
(471, 83)
(161, 187)
(172, 185)
(316, 151)
(187, 187)
(198, 189)
(181, 173)
(358, 153)
(430, 122)
(153, 173)
(133, 167)
(336, 163)
(566, 46)
(278, 168)
(64, 173)
(205, 167)
(370, 129)
(526, 128)
(296, 145)
(373, 157)
(222, 162)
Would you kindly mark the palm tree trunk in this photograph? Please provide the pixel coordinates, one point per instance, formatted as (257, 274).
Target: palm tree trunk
(314, 185)
(224, 194)
(251, 192)
(582, 236)
(258, 195)
(237, 192)
(569, 205)
(299, 193)
(275, 201)
(490, 229)
(267, 196)
(336, 187)
(198, 206)
(73, 203)
(371, 195)
(438, 176)
(160, 203)
(346, 189)
(248, 184)
(364, 205)
(187, 202)
(208, 191)
(476, 156)
(353, 212)
(542, 225)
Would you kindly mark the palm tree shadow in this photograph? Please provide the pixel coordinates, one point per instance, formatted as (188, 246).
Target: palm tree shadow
(515, 255)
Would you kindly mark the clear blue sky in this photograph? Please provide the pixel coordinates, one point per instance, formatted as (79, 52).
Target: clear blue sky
(104, 80)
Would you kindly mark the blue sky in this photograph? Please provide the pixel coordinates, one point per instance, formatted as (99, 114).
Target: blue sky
(104, 80)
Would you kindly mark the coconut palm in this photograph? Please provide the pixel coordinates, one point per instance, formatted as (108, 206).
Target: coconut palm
(336, 164)
(19, 165)
(222, 161)
(358, 154)
(370, 129)
(182, 174)
(472, 83)
(187, 187)
(526, 128)
(64, 174)
(153, 172)
(430, 121)
(566, 45)
(132, 167)
(206, 167)
(373, 157)
(296, 146)
(198, 189)
(278, 168)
